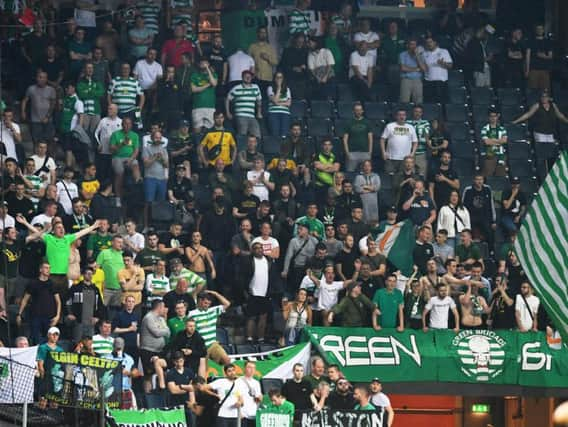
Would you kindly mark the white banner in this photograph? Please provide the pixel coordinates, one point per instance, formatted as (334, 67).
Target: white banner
(17, 374)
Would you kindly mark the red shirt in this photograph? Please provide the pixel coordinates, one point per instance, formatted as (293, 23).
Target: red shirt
(173, 49)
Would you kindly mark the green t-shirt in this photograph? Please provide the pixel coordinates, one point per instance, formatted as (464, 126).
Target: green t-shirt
(422, 128)
(125, 151)
(286, 409)
(205, 99)
(176, 325)
(472, 251)
(388, 303)
(367, 407)
(98, 242)
(111, 263)
(57, 252)
(44, 349)
(358, 131)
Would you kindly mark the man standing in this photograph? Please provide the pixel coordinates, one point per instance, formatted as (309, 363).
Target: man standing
(478, 199)
(230, 397)
(131, 279)
(154, 334)
(111, 262)
(398, 141)
(437, 62)
(252, 395)
(265, 59)
(300, 249)
(361, 396)
(361, 66)
(298, 389)
(90, 92)
(123, 91)
(85, 306)
(494, 140)
(103, 341)
(246, 100)
(355, 309)
(526, 308)
(203, 89)
(539, 60)
(191, 344)
(390, 304)
(156, 163)
(106, 127)
(411, 69)
(42, 99)
(439, 308)
(422, 128)
(381, 400)
(218, 143)
(148, 72)
(125, 326)
(473, 306)
(443, 181)
(10, 134)
(357, 139)
(124, 146)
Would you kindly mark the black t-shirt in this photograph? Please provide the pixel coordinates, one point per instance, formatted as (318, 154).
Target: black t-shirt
(43, 299)
(540, 46)
(177, 142)
(442, 190)
(172, 298)
(298, 394)
(171, 241)
(515, 47)
(10, 258)
(370, 286)
(217, 58)
(340, 402)
(519, 201)
(179, 378)
(148, 257)
(53, 68)
(421, 254)
(248, 204)
(32, 252)
(503, 315)
(17, 206)
(122, 320)
(180, 189)
(347, 260)
(208, 403)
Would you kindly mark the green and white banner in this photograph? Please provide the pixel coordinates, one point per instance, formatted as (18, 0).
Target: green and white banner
(269, 364)
(273, 417)
(471, 356)
(174, 417)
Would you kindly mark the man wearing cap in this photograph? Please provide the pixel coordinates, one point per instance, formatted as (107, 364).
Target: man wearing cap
(129, 371)
(203, 84)
(194, 281)
(179, 185)
(381, 400)
(355, 309)
(300, 249)
(341, 399)
(514, 202)
(206, 317)
(47, 347)
(246, 101)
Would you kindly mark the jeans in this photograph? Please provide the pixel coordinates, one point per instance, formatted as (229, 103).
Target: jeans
(279, 123)
(155, 189)
(226, 422)
(39, 326)
(508, 224)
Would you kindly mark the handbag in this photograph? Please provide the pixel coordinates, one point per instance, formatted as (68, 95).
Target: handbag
(218, 406)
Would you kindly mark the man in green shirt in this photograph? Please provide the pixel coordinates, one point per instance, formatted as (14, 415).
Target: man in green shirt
(90, 92)
(392, 46)
(355, 309)
(494, 139)
(280, 405)
(124, 147)
(361, 396)
(203, 84)
(357, 139)
(467, 252)
(57, 251)
(390, 303)
(111, 262)
(311, 221)
(100, 240)
(177, 323)
(422, 128)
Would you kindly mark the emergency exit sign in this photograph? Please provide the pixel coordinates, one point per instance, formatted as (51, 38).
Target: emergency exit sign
(480, 408)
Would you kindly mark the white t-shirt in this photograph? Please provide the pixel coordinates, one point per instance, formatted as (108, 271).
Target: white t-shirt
(320, 58)
(50, 164)
(41, 219)
(328, 294)
(267, 245)
(7, 221)
(136, 240)
(147, 74)
(7, 137)
(64, 198)
(259, 189)
(251, 389)
(521, 308)
(147, 141)
(239, 62)
(362, 62)
(399, 140)
(104, 130)
(439, 310)
(380, 399)
(222, 387)
(369, 37)
(435, 72)
(258, 285)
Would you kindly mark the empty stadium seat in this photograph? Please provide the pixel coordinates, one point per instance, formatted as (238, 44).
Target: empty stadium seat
(481, 96)
(298, 109)
(519, 151)
(339, 126)
(521, 168)
(345, 109)
(511, 112)
(271, 145)
(267, 384)
(463, 149)
(464, 167)
(318, 127)
(376, 110)
(344, 93)
(458, 131)
(457, 95)
(516, 132)
(246, 348)
(321, 109)
(222, 336)
(457, 113)
(432, 111)
(509, 96)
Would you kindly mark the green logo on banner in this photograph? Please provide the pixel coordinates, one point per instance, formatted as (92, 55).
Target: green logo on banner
(481, 353)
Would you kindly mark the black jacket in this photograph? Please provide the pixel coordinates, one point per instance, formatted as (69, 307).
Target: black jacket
(195, 343)
(246, 271)
(75, 302)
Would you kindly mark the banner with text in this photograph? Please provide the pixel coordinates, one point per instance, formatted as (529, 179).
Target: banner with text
(17, 374)
(273, 417)
(269, 364)
(471, 356)
(82, 381)
(174, 417)
(329, 418)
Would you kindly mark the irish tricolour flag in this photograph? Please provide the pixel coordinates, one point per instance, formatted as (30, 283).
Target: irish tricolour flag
(396, 243)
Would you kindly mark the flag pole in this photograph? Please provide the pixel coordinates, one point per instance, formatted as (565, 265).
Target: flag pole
(25, 415)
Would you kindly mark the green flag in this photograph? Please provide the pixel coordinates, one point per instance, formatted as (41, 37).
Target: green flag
(396, 242)
(542, 245)
(173, 417)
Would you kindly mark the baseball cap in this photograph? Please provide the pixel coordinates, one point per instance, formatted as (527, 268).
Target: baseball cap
(175, 261)
(376, 380)
(515, 180)
(184, 123)
(247, 72)
(54, 330)
(392, 208)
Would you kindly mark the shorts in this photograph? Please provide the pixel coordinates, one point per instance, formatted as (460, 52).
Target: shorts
(202, 117)
(216, 353)
(118, 164)
(258, 306)
(145, 358)
(155, 189)
(112, 297)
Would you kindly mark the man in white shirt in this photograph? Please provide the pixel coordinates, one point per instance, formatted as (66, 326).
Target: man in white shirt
(270, 246)
(230, 395)
(361, 66)
(398, 141)
(526, 309)
(239, 62)
(439, 307)
(437, 62)
(258, 303)
(44, 166)
(320, 64)
(381, 400)
(251, 393)
(370, 37)
(148, 72)
(106, 127)
(260, 179)
(6, 220)
(67, 190)
(10, 134)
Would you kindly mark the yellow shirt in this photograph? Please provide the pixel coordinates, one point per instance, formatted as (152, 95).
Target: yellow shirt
(216, 148)
(132, 283)
(290, 164)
